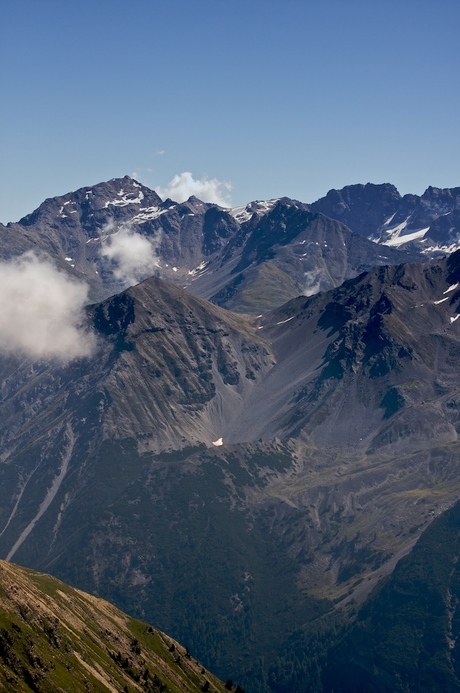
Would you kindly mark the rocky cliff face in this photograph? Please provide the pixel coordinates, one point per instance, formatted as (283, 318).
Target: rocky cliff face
(286, 252)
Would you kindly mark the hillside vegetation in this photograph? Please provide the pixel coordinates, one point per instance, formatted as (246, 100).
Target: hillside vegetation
(54, 638)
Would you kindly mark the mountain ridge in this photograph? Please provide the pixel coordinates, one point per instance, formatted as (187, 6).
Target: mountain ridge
(55, 638)
(230, 256)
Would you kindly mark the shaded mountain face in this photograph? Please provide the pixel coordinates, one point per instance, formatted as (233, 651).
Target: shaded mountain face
(55, 638)
(250, 259)
(367, 362)
(363, 208)
(406, 637)
(275, 468)
(382, 347)
(429, 223)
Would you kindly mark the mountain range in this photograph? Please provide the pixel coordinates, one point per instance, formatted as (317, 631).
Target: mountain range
(264, 425)
(248, 259)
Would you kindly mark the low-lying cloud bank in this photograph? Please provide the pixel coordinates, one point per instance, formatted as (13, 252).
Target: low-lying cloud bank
(133, 255)
(183, 185)
(42, 311)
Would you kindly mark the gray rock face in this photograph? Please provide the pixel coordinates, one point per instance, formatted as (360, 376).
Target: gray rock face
(429, 224)
(363, 208)
(285, 252)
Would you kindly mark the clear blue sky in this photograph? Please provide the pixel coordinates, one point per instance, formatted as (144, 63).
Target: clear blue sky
(278, 97)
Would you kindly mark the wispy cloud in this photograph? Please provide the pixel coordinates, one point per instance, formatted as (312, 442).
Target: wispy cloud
(42, 311)
(133, 256)
(183, 185)
(312, 282)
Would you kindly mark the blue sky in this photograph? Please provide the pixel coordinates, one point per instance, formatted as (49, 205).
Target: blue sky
(273, 97)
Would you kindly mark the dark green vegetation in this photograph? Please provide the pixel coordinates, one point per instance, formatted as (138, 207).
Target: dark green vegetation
(406, 637)
(54, 639)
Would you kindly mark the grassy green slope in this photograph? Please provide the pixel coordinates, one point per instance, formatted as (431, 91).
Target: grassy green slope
(54, 638)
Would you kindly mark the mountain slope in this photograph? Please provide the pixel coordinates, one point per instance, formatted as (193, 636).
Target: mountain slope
(169, 367)
(406, 636)
(205, 443)
(364, 364)
(78, 231)
(55, 638)
(285, 252)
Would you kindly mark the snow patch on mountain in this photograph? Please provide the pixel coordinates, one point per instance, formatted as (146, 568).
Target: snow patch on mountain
(148, 214)
(198, 271)
(444, 249)
(397, 239)
(242, 214)
(125, 199)
(451, 288)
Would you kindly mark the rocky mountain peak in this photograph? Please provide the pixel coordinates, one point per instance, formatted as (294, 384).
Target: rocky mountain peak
(361, 207)
(104, 200)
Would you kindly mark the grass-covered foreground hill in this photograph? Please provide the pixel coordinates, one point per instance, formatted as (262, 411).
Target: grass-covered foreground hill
(54, 638)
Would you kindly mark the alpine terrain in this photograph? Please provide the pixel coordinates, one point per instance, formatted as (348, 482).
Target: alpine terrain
(258, 451)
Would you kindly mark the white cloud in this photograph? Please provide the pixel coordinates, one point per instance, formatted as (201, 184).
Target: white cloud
(42, 311)
(312, 282)
(133, 255)
(183, 185)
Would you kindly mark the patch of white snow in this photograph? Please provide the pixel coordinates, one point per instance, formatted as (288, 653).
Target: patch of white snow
(242, 214)
(148, 214)
(198, 270)
(390, 219)
(397, 240)
(451, 288)
(125, 199)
